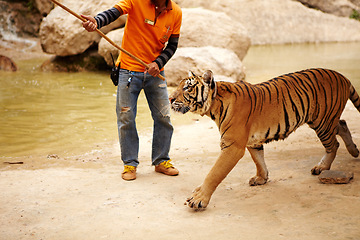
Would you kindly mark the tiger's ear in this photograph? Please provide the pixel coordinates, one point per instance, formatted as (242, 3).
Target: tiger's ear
(208, 76)
(191, 74)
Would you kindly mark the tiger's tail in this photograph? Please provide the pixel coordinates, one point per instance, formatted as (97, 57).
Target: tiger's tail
(354, 97)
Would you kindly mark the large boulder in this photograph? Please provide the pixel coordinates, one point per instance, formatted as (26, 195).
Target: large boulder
(62, 34)
(341, 8)
(224, 63)
(283, 21)
(201, 27)
(225, 33)
(105, 48)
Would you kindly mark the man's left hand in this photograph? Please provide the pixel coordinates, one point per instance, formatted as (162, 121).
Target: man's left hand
(153, 69)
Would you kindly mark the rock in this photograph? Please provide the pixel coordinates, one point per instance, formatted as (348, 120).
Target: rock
(229, 34)
(341, 8)
(201, 27)
(330, 176)
(6, 64)
(87, 61)
(44, 6)
(283, 21)
(62, 34)
(18, 20)
(224, 63)
(356, 2)
(105, 48)
(53, 156)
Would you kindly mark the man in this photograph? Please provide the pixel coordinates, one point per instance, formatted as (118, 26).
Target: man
(150, 25)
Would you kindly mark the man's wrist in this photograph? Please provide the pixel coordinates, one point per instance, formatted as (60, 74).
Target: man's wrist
(158, 63)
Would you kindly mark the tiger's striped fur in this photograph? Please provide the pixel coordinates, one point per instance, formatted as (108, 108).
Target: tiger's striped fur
(249, 116)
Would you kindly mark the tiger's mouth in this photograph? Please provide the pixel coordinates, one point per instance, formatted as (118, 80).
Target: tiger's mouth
(179, 106)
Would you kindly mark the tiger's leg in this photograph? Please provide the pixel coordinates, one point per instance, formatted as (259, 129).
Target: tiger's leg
(325, 162)
(328, 139)
(228, 158)
(344, 133)
(257, 155)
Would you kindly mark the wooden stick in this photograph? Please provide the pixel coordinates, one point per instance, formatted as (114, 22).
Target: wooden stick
(106, 38)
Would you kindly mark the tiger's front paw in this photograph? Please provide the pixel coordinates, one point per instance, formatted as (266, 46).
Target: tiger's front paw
(199, 199)
(257, 180)
(318, 169)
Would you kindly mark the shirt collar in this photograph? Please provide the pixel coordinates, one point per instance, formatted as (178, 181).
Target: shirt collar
(168, 7)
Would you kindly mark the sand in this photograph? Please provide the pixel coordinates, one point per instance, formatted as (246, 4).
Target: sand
(84, 197)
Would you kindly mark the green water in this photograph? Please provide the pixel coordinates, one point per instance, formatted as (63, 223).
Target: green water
(64, 113)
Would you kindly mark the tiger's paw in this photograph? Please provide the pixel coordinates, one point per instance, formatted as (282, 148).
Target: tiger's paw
(199, 199)
(353, 150)
(257, 180)
(318, 169)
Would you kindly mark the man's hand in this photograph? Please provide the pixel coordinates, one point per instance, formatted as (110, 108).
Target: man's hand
(90, 25)
(153, 69)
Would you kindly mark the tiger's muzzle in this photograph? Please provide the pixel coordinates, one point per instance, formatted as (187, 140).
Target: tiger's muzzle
(178, 106)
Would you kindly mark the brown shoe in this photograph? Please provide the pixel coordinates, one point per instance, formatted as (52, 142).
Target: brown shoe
(167, 168)
(129, 173)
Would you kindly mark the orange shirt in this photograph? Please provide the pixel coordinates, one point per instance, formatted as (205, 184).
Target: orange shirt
(144, 36)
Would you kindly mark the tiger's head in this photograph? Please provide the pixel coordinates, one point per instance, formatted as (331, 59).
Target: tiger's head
(194, 94)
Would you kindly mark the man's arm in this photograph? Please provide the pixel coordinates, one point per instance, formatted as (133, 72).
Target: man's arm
(107, 17)
(102, 19)
(164, 57)
(168, 52)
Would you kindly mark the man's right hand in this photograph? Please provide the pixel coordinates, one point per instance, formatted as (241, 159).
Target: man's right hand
(90, 25)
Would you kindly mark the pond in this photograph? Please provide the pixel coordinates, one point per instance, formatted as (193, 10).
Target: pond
(65, 113)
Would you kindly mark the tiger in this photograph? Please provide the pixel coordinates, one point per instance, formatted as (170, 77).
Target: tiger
(251, 115)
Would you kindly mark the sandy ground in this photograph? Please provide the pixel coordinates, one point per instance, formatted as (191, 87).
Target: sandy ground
(85, 197)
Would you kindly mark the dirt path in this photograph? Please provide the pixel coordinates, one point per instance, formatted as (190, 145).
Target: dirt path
(85, 198)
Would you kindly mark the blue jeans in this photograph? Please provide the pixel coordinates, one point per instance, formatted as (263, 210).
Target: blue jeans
(130, 85)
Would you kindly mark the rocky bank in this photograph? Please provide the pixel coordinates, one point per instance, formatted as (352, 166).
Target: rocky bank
(228, 27)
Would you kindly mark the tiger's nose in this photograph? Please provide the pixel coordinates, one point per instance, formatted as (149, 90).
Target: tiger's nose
(171, 99)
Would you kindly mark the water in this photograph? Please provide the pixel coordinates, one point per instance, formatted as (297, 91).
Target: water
(66, 113)
(265, 62)
(59, 113)
(45, 112)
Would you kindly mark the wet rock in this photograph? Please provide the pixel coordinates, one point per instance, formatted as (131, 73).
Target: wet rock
(88, 61)
(62, 34)
(201, 27)
(224, 63)
(6, 64)
(339, 177)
